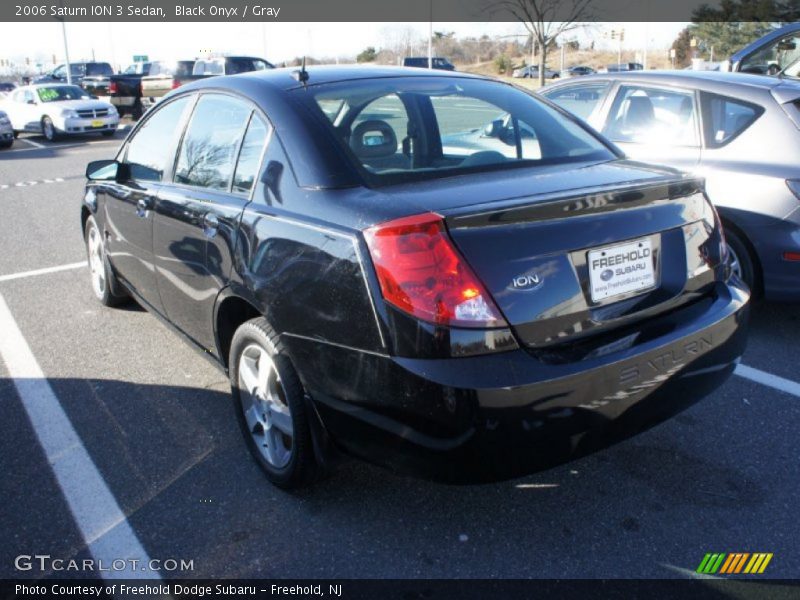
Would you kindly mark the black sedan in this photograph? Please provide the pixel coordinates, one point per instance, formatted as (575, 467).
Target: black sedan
(467, 314)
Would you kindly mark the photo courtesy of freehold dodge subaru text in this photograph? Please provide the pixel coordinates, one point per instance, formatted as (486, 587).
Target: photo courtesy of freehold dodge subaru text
(362, 300)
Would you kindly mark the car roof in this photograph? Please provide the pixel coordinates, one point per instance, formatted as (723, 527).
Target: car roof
(284, 78)
(712, 81)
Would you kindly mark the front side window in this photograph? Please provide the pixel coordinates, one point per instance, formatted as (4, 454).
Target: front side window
(250, 155)
(581, 100)
(725, 118)
(151, 148)
(409, 128)
(653, 116)
(210, 145)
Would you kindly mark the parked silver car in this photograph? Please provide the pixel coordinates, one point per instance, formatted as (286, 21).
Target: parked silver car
(532, 71)
(741, 132)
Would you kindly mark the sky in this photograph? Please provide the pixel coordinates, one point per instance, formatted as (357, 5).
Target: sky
(119, 42)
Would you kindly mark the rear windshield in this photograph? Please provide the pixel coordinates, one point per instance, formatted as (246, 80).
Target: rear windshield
(99, 69)
(407, 128)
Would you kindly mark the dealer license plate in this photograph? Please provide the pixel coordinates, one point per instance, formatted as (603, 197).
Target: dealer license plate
(621, 269)
(97, 123)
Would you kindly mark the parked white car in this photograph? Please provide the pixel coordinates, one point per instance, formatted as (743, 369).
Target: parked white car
(532, 71)
(55, 110)
(6, 131)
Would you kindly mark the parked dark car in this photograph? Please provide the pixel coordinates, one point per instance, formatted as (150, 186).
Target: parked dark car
(78, 70)
(741, 133)
(170, 76)
(436, 62)
(466, 317)
(7, 86)
(768, 55)
(123, 90)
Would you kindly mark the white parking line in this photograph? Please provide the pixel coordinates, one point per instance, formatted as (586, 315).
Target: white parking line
(34, 144)
(774, 381)
(45, 271)
(104, 526)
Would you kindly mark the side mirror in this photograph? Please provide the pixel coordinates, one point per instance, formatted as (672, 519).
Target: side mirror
(103, 170)
(31, 102)
(493, 129)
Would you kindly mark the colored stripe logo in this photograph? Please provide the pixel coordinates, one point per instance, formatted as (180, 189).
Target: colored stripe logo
(734, 562)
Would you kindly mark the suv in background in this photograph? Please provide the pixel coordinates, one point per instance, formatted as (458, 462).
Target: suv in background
(78, 70)
(422, 62)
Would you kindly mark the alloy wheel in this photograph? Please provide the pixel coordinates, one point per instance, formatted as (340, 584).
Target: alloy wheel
(264, 405)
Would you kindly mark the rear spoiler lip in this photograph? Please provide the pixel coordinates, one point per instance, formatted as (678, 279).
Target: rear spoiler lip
(574, 202)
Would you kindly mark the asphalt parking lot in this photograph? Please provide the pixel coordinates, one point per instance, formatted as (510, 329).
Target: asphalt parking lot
(158, 425)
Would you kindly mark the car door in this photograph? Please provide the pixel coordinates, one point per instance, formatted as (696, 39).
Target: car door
(130, 202)
(197, 214)
(21, 111)
(655, 124)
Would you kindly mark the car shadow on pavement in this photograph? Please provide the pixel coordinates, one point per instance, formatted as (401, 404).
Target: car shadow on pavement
(174, 454)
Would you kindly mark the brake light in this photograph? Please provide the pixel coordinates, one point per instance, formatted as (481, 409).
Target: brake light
(422, 273)
(175, 84)
(112, 87)
(791, 256)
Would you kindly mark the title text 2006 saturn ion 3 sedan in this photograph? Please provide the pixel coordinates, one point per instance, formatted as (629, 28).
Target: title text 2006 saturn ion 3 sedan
(466, 315)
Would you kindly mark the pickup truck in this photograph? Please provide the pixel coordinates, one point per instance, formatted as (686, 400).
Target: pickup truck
(167, 76)
(122, 90)
(78, 70)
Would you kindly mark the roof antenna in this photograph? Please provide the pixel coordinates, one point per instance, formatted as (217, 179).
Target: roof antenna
(302, 74)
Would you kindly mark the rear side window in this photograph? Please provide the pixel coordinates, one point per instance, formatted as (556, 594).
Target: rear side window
(208, 151)
(250, 155)
(150, 148)
(653, 116)
(580, 100)
(725, 118)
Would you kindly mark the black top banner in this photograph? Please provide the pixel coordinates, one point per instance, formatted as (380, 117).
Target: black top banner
(391, 11)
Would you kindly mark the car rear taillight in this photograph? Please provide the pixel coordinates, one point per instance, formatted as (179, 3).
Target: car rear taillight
(422, 273)
(175, 84)
(112, 87)
(791, 256)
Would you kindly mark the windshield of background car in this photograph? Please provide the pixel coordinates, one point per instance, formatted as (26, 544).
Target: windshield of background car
(61, 92)
(407, 128)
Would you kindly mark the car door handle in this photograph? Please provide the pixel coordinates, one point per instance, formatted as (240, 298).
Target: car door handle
(210, 224)
(143, 207)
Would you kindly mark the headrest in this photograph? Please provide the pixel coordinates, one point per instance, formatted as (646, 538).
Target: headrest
(373, 139)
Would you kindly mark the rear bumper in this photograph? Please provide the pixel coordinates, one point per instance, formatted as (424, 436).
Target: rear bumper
(502, 415)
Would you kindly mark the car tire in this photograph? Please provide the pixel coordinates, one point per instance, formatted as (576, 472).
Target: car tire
(137, 111)
(742, 261)
(104, 281)
(272, 413)
(6, 145)
(48, 129)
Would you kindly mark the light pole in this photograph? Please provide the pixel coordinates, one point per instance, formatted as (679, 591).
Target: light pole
(430, 37)
(66, 51)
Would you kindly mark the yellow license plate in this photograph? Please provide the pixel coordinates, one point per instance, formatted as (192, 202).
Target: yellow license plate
(97, 123)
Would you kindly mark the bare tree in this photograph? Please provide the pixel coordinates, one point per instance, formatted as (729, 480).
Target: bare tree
(545, 20)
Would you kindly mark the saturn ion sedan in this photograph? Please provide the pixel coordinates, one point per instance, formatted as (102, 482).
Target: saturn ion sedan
(467, 316)
(55, 110)
(739, 132)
